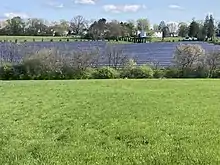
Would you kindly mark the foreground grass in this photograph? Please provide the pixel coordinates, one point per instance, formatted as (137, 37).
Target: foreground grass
(110, 122)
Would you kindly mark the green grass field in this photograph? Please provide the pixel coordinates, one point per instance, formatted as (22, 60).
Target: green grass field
(64, 39)
(36, 38)
(110, 122)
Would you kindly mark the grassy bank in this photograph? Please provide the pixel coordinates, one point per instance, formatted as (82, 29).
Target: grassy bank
(110, 122)
(63, 39)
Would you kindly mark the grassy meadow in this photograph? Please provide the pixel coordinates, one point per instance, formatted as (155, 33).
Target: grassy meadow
(35, 38)
(110, 122)
(64, 39)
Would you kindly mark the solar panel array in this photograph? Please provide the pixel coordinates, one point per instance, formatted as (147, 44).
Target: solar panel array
(161, 52)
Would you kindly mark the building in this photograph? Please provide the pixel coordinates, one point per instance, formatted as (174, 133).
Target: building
(141, 34)
(158, 34)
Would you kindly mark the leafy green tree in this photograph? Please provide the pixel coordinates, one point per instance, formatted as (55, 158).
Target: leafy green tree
(35, 26)
(193, 29)
(205, 26)
(15, 26)
(155, 27)
(114, 29)
(143, 24)
(218, 29)
(211, 28)
(165, 32)
(183, 30)
(162, 25)
(97, 29)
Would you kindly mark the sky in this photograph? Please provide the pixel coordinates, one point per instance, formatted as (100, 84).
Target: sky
(123, 10)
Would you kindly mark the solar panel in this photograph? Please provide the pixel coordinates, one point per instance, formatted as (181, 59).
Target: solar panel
(160, 52)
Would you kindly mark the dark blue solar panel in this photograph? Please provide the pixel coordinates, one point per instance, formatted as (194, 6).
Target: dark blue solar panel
(161, 52)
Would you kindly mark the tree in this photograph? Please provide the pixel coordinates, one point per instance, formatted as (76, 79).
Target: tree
(183, 30)
(162, 25)
(213, 61)
(114, 30)
(143, 24)
(61, 28)
(173, 28)
(97, 29)
(155, 27)
(193, 29)
(218, 29)
(205, 27)
(115, 56)
(77, 24)
(165, 32)
(130, 28)
(211, 28)
(15, 26)
(35, 26)
(188, 56)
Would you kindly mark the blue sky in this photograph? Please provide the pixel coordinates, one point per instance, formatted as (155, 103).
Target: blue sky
(154, 10)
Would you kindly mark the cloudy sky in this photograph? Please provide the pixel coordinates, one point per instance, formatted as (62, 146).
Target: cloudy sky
(154, 10)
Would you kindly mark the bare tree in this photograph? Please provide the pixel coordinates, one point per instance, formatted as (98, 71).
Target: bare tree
(81, 59)
(114, 30)
(116, 56)
(173, 28)
(78, 24)
(188, 56)
(213, 61)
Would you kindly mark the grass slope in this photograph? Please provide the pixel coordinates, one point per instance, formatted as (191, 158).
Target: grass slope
(64, 39)
(110, 122)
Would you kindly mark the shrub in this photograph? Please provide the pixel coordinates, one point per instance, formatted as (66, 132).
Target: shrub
(33, 69)
(45, 64)
(6, 72)
(216, 74)
(159, 73)
(138, 72)
(106, 73)
(88, 73)
(172, 73)
(72, 73)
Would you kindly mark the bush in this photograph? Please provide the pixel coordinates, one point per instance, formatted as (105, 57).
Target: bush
(6, 72)
(195, 73)
(72, 73)
(106, 73)
(172, 73)
(159, 73)
(216, 74)
(138, 72)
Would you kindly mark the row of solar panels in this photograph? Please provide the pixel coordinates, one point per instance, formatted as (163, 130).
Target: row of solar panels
(160, 53)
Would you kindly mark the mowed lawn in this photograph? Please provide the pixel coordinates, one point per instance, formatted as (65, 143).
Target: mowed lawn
(110, 122)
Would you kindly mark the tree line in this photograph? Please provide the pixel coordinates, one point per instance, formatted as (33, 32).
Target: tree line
(103, 29)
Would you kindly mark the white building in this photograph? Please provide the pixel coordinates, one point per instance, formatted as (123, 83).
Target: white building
(141, 33)
(158, 34)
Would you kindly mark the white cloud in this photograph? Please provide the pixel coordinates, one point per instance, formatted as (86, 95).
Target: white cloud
(55, 4)
(175, 7)
(89, 2)
(123, 8)
(11, 15)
